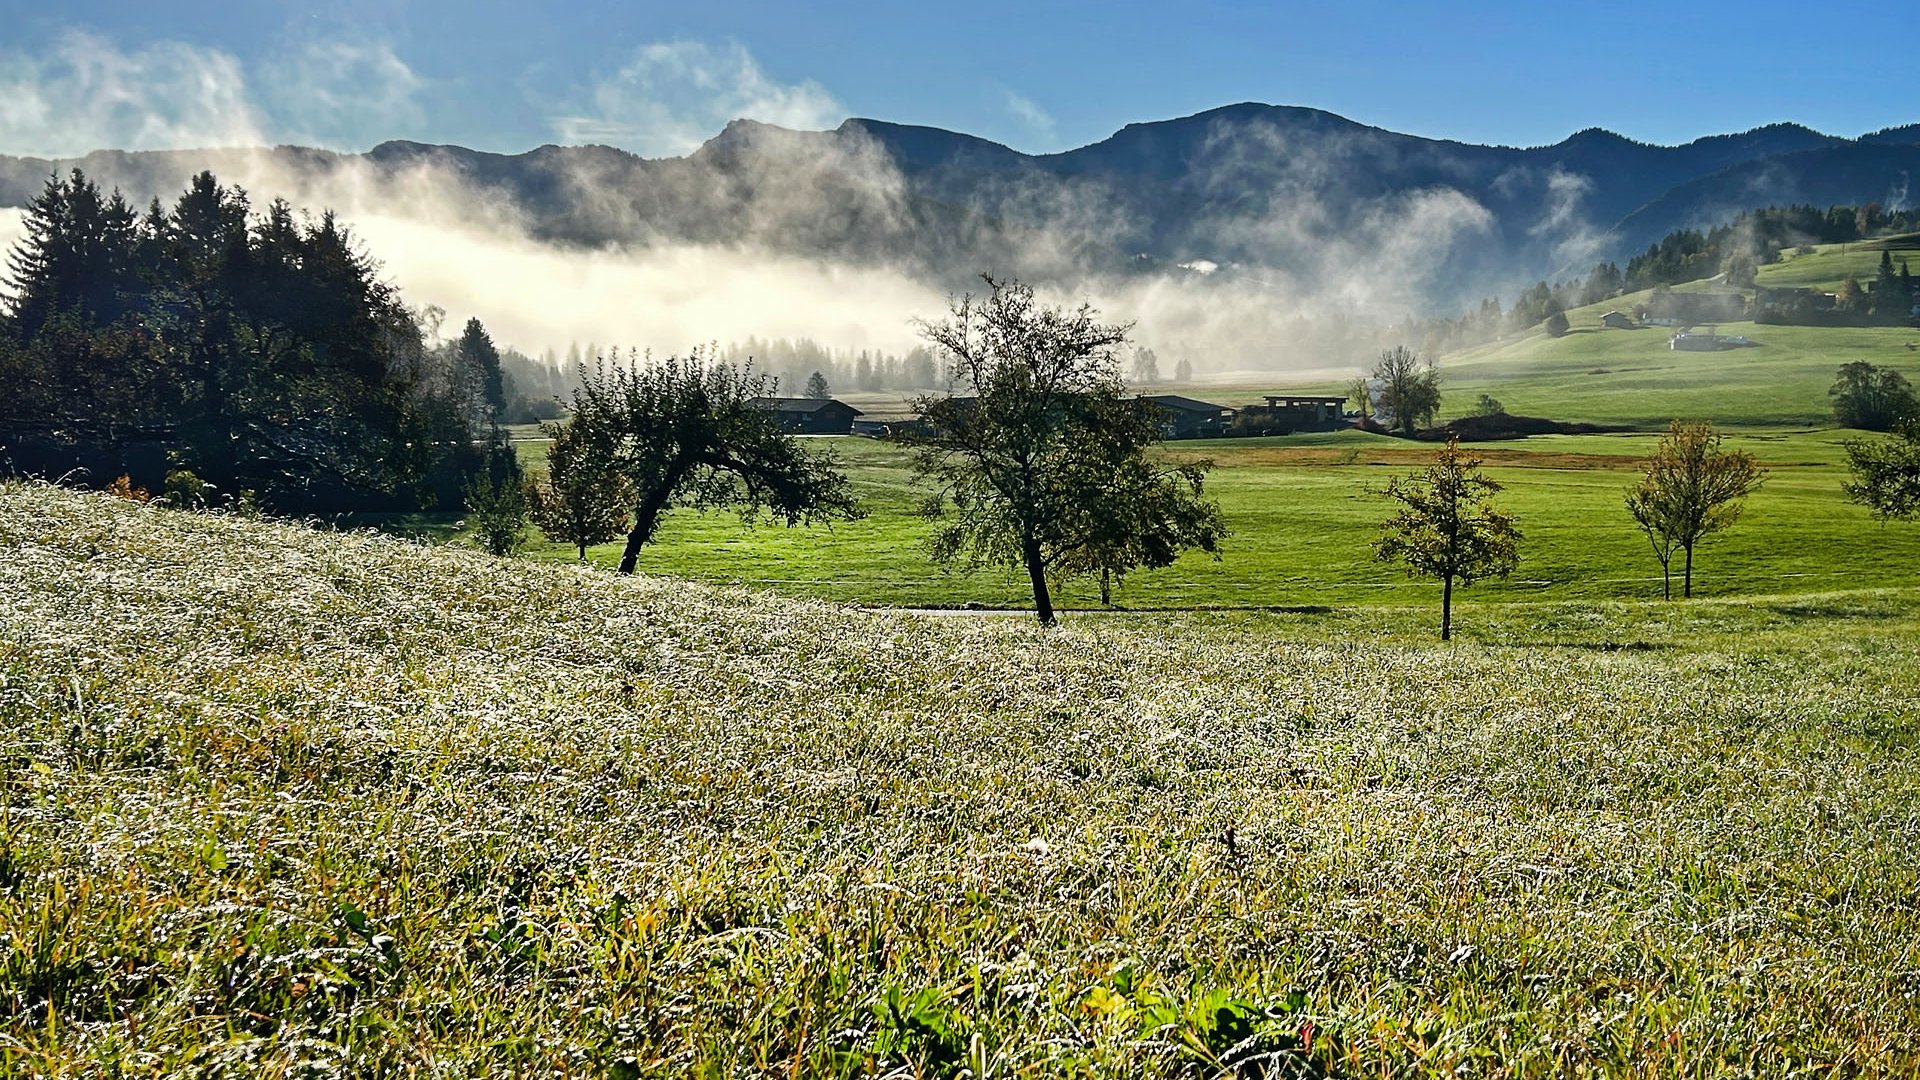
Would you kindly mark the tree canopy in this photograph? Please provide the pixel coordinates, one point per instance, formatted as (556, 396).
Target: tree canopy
(262, 352)
(1409, 388)
(1871, 398)
(1446, 530)
(685, 431)
(582, 500)
(1886, 472)
(1691, 489)
(1043, 466)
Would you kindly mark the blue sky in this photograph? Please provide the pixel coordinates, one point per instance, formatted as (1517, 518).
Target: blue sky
(658, 77)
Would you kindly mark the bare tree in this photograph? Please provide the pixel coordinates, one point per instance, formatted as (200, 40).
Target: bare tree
(1691, 489)
(1409, 388)
(1361, 391)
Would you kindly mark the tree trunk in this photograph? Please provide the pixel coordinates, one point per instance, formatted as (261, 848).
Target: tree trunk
(1446, 609)
(1106, 588)
(1037, 572)
(583, 553)
(1687, 591)
(645, 520)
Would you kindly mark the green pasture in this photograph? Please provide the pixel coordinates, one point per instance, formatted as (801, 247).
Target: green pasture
(1304, 508)
(1631, 377)
(1304, 511)
(1826, 265)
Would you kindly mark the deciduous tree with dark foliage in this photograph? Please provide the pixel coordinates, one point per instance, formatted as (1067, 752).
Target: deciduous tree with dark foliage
(1147, 513)
(1040, 463)
(1886, 472)
(1445, 529)
(582, 500)
(684, 431)
(1871, 398)
(1691, 489)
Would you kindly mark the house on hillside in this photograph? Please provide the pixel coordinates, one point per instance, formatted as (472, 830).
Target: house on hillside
(1187, 418)
(1616, 320)
(810, 416)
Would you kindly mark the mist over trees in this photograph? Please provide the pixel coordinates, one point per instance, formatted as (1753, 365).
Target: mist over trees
(257, 351)
(792, 364)
(1735, 249)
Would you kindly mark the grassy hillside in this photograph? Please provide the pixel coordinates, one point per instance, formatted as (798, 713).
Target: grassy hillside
(1827, 264)
(1304, 512)
(1631, 376)
(284, 802)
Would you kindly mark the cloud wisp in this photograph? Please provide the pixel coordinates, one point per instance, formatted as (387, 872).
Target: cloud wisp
(346, 95)
(1035, 120)
(86, 94)
(673, 95)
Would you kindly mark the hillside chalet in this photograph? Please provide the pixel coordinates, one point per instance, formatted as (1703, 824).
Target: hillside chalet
(1618, 320)
(1186, 418)
(810, 416)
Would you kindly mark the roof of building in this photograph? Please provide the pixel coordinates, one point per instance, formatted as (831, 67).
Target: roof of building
(1308, 399)
(799, 404)
(1185, 404)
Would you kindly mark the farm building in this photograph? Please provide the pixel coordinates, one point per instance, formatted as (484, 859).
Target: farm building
(810, 416)
(1186, 418)
(1304, 412)
(1616, 320)
(1708, 341)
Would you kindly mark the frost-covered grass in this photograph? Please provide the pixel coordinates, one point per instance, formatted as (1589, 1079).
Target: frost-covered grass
(284, 802)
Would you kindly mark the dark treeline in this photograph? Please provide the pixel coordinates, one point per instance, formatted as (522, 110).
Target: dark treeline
(256, 352)
(1735, 249)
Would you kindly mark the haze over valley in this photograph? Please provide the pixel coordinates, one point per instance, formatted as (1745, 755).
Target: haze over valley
(1246, 238)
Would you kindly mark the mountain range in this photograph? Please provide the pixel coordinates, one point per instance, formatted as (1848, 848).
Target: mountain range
(1250, 189)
